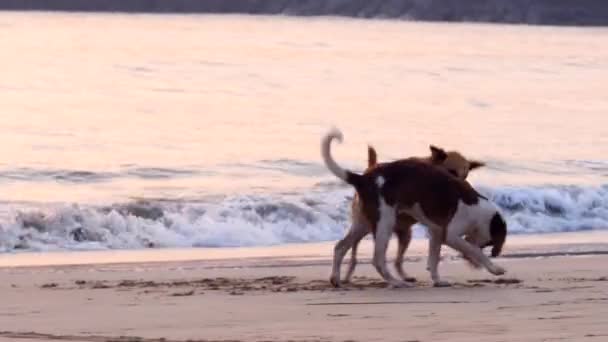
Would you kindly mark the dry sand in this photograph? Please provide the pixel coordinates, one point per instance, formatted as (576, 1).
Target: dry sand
(288, 298)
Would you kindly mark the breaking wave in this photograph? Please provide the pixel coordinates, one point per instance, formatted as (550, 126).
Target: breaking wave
(321, 214)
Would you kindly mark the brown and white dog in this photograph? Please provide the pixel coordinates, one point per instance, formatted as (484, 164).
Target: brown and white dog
(451, 161)
(449, 207)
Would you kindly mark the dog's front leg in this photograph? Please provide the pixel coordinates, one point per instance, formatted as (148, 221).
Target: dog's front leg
(471, 262)
(384, 231)
(473, 253)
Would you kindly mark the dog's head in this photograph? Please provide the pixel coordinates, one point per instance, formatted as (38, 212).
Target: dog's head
(494, 235)
(453, 162)
(498, 234)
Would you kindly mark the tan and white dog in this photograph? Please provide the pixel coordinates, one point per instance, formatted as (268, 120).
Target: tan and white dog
(449, 207)
(451, 161)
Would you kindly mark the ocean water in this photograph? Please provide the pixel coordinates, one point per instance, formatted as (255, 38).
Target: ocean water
(149, 131)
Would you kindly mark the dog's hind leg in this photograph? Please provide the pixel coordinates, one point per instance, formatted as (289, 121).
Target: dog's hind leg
(404, 236)
(342, 248)
(384, 231)
(359, 234)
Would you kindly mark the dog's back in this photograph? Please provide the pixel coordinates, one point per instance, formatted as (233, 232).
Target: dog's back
(411, 181)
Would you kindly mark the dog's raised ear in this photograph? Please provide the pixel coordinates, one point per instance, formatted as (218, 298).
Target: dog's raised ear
(474, 164)
(438, 155)
(372, 156)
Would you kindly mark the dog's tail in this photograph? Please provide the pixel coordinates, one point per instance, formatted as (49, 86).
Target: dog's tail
(349, 177)
(372, 157)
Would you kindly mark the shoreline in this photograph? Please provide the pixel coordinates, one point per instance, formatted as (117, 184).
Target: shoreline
(302, 254)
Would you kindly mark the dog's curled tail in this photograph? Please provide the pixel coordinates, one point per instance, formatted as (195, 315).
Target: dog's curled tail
(345, 175)
(331, 164)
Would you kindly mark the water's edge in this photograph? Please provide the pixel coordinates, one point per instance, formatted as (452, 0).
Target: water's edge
(296, 255)
(532, 12)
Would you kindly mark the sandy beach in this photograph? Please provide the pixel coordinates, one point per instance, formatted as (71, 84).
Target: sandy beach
(282, 294)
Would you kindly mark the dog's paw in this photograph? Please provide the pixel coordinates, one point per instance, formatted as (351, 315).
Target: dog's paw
(497, 270)
(398, 284)
(442, 283)
(409, 279)
(334, 280)
(405, 277)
